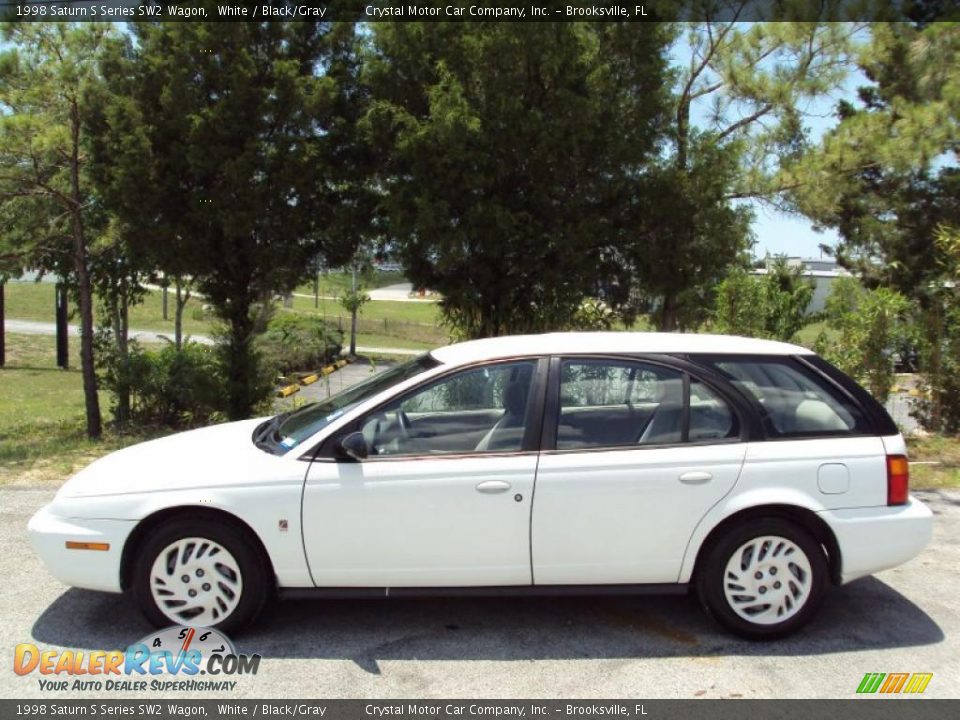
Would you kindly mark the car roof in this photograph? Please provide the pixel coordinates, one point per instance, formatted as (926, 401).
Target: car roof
(604, 343)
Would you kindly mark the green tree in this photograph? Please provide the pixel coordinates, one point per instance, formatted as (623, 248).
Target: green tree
(512, 151)
(753, 81)
(228, 150)
(740, 305)
(875, 177)
(353, 301)
(938, 408)
(868, 328)
(773, 305)
(119, 283)
(48, 209)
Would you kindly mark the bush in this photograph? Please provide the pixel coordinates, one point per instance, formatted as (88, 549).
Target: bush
(766, 306)
(295, 342)
(870, 328)
(938, 408)
(167, 387)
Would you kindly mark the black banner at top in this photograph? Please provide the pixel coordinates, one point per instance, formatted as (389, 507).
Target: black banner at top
(467, 10)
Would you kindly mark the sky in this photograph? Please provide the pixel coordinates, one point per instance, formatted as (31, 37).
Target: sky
(775, 232)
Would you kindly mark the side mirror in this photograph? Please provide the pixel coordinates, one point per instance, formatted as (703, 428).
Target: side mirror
(355, 446)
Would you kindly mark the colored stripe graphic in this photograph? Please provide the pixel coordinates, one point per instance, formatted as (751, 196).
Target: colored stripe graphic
(894, 682)
(918, 683)
(870, 682)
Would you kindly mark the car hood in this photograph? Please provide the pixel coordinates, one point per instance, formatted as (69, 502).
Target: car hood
(208, 457)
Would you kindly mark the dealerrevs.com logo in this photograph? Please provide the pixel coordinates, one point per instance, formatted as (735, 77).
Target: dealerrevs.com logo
(894, 683)
(168, 660)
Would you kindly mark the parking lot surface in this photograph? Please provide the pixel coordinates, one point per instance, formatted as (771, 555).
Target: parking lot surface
(903, 620)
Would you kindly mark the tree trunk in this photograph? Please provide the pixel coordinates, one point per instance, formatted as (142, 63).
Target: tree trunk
(669, 313)
(3, 347)
(353, 332)
(121, 330)
(241, 362)
(182, 299)
(84, 288)
(353, 312)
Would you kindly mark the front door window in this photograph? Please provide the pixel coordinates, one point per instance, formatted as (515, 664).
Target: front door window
(479, 410)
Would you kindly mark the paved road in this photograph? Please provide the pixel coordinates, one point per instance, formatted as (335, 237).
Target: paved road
(32, 327)
(398, 293)
(906, 619)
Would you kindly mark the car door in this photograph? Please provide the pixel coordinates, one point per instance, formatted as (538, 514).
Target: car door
(638, 453)
(443, 499)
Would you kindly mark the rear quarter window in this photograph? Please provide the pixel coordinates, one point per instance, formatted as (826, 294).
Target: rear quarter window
(795, 400)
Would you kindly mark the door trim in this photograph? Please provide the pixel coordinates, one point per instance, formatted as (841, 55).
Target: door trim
(485, 591)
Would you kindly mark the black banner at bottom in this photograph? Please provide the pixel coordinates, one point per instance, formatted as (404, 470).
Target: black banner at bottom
(873, 708)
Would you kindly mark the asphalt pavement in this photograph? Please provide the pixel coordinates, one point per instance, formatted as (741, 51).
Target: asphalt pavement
(903, 620)
(33, 327)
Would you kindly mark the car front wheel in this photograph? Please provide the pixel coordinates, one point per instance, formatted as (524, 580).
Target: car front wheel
(763, 579)
(200, 573)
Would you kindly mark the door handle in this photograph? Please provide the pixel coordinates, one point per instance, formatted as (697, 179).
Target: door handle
(489, 487)
(697, 477)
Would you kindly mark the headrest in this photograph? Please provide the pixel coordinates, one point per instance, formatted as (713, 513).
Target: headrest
(514, 398)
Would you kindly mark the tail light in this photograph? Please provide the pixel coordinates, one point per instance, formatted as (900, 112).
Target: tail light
(898, 480)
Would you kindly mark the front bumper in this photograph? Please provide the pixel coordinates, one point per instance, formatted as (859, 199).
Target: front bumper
(878, 538)
(89, 569)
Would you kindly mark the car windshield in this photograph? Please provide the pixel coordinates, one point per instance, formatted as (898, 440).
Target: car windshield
(287, 430)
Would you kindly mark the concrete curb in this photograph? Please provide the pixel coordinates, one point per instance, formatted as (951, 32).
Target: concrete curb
(289, 386)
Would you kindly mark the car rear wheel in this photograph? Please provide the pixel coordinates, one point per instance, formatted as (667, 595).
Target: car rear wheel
(763, 579)
(200, 573)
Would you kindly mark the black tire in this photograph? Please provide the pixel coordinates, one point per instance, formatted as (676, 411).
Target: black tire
(712, 581)
(254, 570)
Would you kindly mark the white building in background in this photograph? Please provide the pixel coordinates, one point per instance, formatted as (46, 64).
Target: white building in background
(823, 272)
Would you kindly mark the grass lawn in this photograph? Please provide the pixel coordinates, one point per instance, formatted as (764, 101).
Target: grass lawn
(383, 323)
(335, 283)
(944, 451)
(35, 301)
(395, 310)
(42, 435)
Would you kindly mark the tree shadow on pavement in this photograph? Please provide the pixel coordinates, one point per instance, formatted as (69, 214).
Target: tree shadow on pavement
(866, 615)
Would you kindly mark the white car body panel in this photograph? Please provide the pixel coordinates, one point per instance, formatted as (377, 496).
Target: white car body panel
(88, 569)
(794, 465)
(215, 468)
(623, 516)
(874, 539)
(419, 522)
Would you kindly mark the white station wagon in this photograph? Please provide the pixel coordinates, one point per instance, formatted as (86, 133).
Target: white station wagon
(751, 471)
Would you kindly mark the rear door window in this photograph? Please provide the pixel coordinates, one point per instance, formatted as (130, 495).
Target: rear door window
(795, 400)
(609, 403)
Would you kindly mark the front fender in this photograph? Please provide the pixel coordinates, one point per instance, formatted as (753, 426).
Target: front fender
(271, 510)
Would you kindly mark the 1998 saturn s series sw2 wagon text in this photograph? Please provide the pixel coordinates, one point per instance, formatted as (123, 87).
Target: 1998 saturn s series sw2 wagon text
(749, 470)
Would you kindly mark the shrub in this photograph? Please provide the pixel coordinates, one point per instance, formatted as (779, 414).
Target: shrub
(870, 328)
(295, 342)
(768, 306)
(167, 387)
(938, 408)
